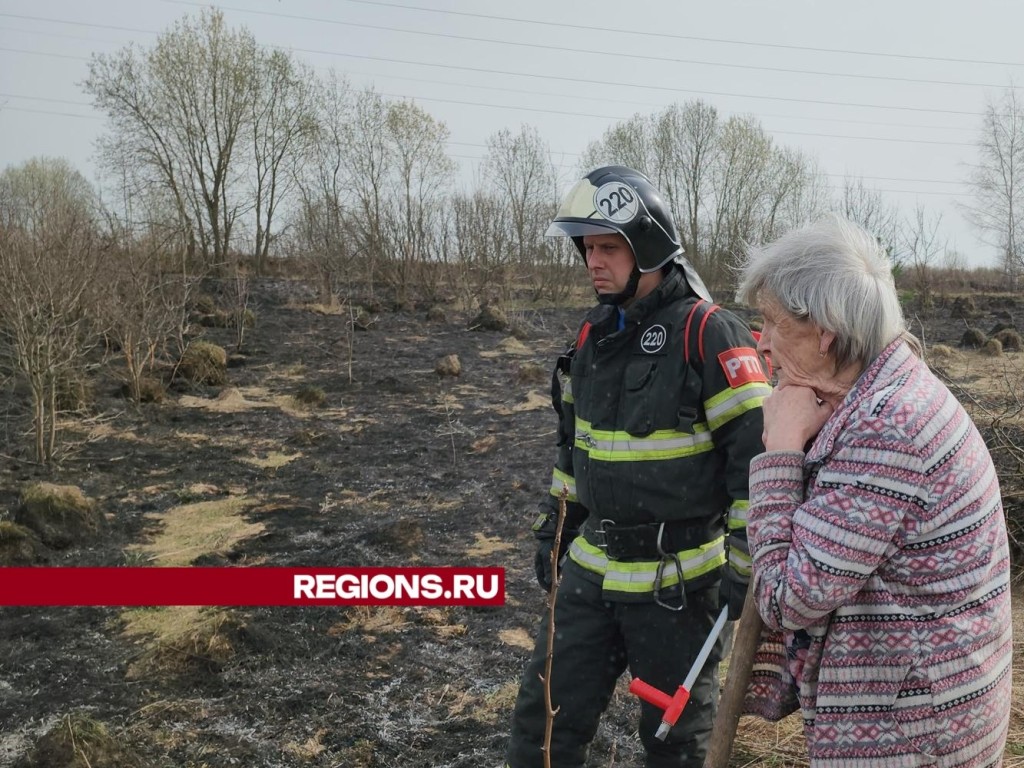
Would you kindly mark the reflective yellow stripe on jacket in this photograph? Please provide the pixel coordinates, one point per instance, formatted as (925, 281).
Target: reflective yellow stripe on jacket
(618, 445)
(638, 577)
(561, 480)
(727, 405)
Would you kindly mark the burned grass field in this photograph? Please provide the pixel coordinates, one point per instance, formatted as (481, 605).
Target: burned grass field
(293, 462)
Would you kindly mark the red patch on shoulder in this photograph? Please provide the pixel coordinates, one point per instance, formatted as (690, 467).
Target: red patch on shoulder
(741, 366)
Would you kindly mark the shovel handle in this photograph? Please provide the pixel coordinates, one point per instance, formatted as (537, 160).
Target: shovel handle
(741, 662)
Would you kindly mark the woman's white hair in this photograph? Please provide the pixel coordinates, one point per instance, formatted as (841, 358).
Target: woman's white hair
(836, 274)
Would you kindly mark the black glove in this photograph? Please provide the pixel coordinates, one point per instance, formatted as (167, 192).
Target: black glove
(732, 592)
(542, 560)
(542, 563)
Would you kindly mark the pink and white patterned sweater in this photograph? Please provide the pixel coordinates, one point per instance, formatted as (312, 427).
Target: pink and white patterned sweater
(881, 569)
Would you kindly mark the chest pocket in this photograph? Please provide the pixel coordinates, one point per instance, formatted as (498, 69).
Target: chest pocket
(658, 394)
(638, 397)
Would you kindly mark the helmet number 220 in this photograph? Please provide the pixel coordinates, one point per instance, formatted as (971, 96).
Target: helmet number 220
(616, 202)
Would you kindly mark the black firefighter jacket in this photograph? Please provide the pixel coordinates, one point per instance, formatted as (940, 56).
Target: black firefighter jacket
(658, 423)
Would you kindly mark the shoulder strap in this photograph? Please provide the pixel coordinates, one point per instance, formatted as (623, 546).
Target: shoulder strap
(699, 313)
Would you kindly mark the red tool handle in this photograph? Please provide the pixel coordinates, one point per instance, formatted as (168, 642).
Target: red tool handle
(672, 705)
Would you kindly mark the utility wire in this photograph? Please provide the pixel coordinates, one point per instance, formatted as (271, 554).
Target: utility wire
(482, 70)
(669, 36)
(621, 117)
(603, 53)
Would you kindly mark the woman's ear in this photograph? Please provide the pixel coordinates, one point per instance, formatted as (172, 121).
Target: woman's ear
(825, 342)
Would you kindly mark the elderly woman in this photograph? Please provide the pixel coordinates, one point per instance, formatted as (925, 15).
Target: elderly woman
(880, 558)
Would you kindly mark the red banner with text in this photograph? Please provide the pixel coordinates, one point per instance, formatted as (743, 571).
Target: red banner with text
(252, 586)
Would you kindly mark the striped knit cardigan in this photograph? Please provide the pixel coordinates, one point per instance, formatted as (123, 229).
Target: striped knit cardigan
(881, 569)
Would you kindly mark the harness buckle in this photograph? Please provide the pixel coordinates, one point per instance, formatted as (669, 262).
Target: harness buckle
(659, 574)
(600, 531)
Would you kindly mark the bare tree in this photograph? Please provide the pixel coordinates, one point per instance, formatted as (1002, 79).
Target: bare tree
(181, 108)
(481, 232)
(628, 143)
(687, 141)
(867, 207)
(367, 162)
(725, 182)
(742, 179)
(143, 302)
(321, 236)
(419, 179)
(923, 245)
(998, 182)
(523, 180)
(283, 128)
(49, 258)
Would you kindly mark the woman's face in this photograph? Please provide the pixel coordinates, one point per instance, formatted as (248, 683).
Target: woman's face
(795, 345)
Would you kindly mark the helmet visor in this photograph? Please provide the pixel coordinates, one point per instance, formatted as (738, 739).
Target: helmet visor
(578, 229)
(613, 204)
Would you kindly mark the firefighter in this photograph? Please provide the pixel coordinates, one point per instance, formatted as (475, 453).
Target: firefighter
(659, 405)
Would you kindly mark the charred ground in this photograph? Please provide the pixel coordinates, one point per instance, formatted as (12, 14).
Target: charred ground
(397, 467)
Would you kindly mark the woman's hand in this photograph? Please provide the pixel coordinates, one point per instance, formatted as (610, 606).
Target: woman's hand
(793, 416)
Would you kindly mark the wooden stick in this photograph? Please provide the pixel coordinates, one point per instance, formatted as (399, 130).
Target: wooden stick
(549, 712)
(741, 661)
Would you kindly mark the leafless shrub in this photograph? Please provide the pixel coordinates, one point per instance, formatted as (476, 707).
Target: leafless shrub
(237, 295)
(145, 302)
(50, 251)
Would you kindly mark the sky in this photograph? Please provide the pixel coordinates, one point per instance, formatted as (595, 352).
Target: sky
(890, 91)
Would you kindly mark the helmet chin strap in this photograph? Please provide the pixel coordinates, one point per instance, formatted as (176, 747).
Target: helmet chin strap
(627, 293)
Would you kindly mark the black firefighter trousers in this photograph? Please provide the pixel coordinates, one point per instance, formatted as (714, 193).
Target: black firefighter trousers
(595, 641)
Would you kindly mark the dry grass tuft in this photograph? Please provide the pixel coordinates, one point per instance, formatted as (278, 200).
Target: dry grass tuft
(517, 638)
(370, 619)
(273, 460)
(18, 545)
(992, 348)
(60, 514)
(79, 741)
(201, 528)
(941, 353)
(760, 743)
(486, 545)
(179, 640)
(310, 749)
(309, 396)
(204, 363)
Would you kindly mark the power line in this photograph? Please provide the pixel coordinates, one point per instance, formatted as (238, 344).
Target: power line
(830, 188)
(467, 143)
(844, 120)
(79, 23)
(603, 53)
(42, 53)
(666, 35)
(587, 81)
(606, 83)
(49, 112)
(44, 98)
(572, 154)
(620, 117)
(833, 175)
(56, 34)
